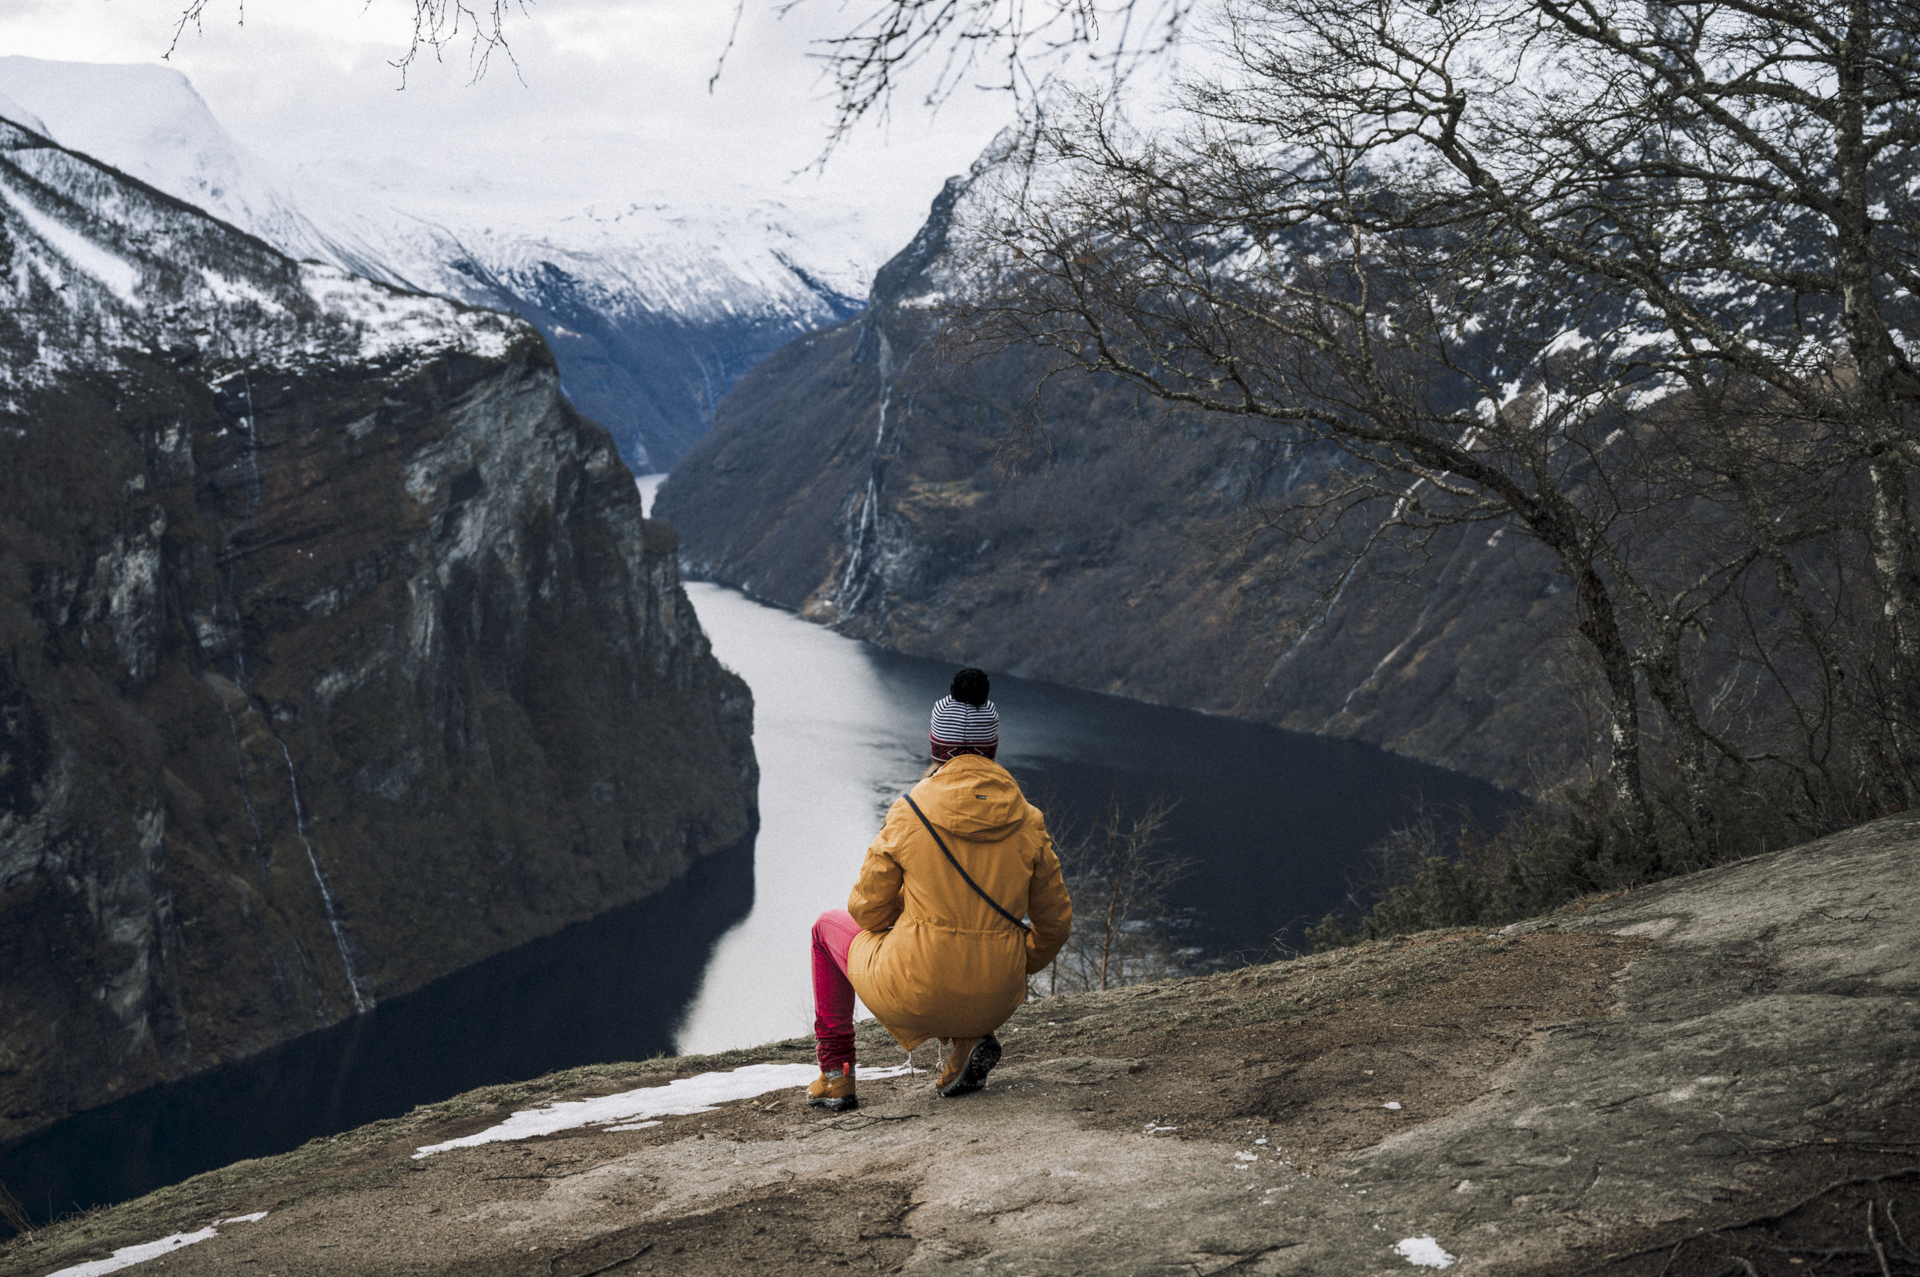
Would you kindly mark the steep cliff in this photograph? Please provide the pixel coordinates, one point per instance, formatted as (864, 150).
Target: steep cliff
(1084, 536)
(334, 650)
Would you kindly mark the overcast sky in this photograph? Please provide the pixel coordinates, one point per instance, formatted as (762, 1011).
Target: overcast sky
(610, 103)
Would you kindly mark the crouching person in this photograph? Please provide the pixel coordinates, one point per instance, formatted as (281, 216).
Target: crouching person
(932, 938)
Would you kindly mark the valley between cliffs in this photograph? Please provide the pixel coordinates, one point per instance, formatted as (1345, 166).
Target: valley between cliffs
(335, 652)
(1713, 1072)
(969, 508)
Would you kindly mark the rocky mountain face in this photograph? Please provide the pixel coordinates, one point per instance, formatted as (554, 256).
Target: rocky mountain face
(1082, 536)
(652, 311)
(335, 652)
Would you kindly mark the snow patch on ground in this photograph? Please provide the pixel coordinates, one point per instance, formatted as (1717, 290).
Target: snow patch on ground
(635, 1109)
(1423, 1252)
(128, 1256)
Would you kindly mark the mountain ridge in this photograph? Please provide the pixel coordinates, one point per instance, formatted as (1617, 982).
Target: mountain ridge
(651, 323)
(1081, 533)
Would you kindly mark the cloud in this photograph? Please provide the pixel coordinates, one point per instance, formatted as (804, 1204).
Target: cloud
(609, 103)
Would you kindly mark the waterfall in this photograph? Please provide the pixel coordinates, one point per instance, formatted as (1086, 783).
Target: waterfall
(863, 520)
(230, 592)
(253, 451)
(326, 895)
(1419, 624)
(246, 795)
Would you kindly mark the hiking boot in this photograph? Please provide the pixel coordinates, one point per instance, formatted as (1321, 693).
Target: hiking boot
(833, 1091)
(968, 1066)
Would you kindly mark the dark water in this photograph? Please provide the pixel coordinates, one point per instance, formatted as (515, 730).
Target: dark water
(611, 988)
(1273, 822)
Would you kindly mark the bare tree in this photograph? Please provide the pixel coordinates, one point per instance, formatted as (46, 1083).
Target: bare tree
(438, 25)
(1322, 334)
(1119, 875)
(1632, 280)
(1018, 38)
(1734, 181)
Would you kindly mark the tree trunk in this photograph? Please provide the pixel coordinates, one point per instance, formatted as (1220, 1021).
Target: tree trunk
(1600, 626)
(1876, 358)
(1890, 526)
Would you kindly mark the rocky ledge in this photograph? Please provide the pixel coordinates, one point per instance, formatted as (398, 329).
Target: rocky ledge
(1717, 1074)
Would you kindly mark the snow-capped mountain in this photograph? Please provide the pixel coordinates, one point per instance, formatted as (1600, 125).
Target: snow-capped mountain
(653, 309)
(99, 274)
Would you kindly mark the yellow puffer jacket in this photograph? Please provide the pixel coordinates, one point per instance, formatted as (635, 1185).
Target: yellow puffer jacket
(933, 960)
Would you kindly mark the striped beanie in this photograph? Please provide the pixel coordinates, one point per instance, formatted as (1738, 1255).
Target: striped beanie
(965, 726)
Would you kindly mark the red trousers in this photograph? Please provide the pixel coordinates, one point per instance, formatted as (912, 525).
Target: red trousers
(833, 935)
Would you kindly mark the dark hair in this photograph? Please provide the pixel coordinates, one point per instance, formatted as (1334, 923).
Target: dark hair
(970, 687)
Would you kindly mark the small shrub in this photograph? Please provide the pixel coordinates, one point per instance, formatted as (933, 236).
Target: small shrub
(14, 1216)
(1429, 875)
(1118, 876)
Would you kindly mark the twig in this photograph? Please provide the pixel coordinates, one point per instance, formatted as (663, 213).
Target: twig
(1899, 1237)
(1899, 1148)
(14, 1215)
(1905, 1172)
(859, 1122)
(486, 1177)
(1670, 1258)
(1879, 1252)
(1825, 1252)
(1248, 1258)
(1747, 1264)
(614, 1263)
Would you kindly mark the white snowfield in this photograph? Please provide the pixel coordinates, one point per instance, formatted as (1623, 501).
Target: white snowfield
(387, 321)
(632, 1110)
(654, 304)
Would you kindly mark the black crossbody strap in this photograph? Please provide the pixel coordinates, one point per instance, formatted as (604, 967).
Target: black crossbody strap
(956, 865)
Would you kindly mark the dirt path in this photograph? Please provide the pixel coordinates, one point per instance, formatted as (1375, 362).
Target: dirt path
(1549, 1098)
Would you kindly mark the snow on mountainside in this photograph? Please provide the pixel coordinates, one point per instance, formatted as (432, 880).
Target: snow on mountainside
(653, 309)
(148, 122)
(94, 271)
(11, 110)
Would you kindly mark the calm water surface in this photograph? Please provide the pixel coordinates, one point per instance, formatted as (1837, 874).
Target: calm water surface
(1272, 820)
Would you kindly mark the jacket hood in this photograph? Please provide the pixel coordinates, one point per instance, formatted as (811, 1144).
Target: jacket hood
(973, 797)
